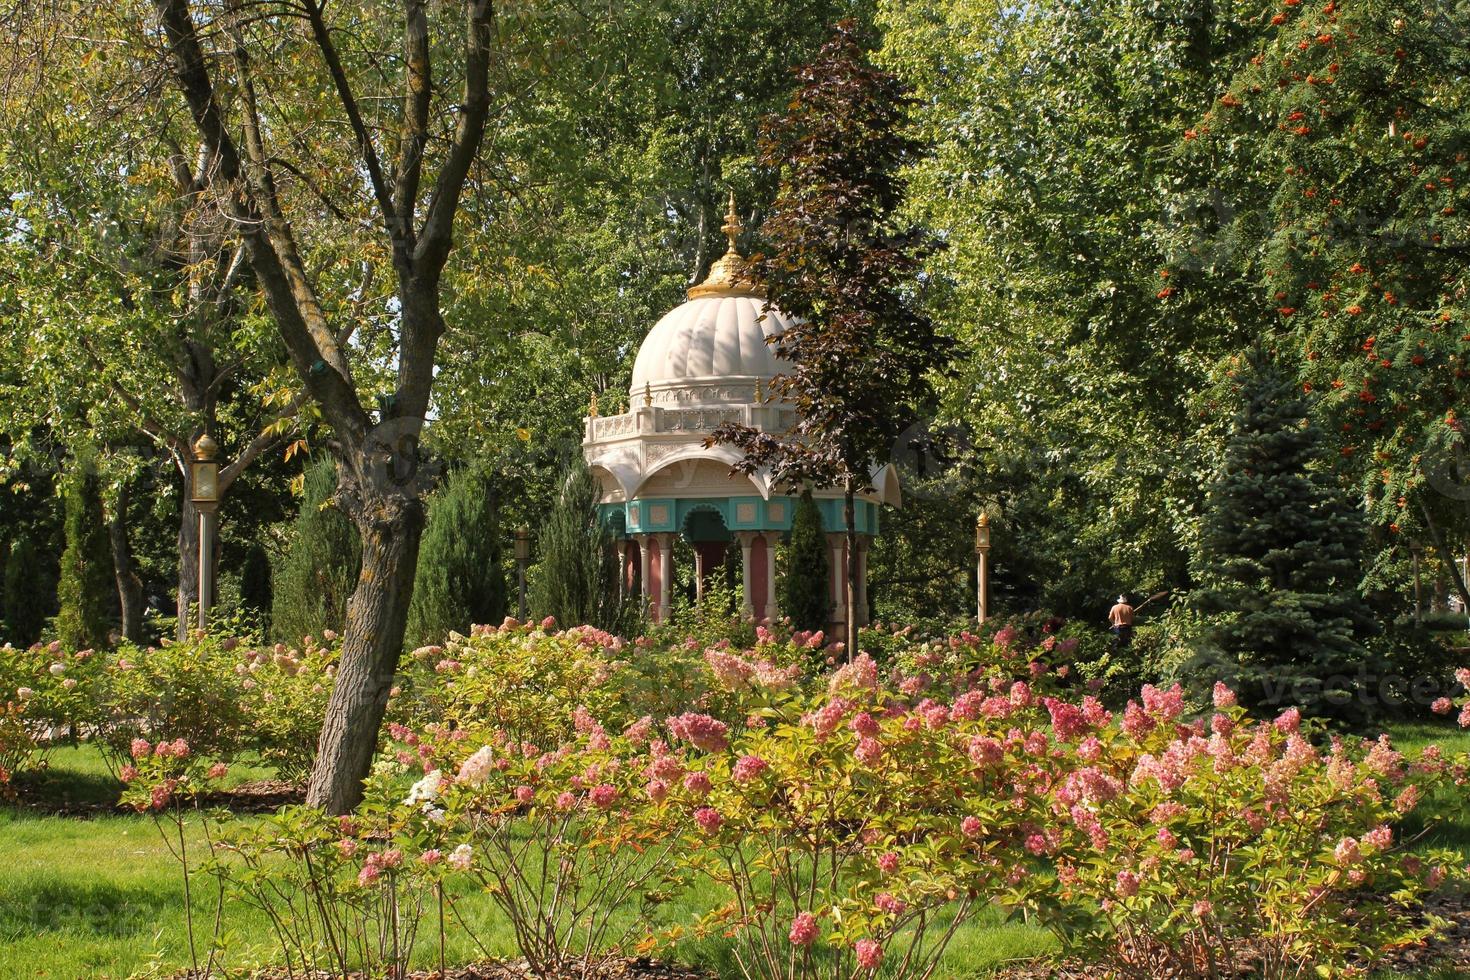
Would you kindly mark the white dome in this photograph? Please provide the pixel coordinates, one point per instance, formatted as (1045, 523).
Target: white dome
(708, 339)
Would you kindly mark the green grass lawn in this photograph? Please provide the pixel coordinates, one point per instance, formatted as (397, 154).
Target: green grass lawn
(102, 896)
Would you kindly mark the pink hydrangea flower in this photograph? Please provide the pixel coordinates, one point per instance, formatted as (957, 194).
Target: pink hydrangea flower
(1203, 908)
(869, 954)
(701, 731)
(748, 768)
(1126, 884)
(658, 790)
(219, 771)
(461, 857)
(698, 783)
(1347, 852)
(1289, 721)
(1442, 706)
(476, 769)
(971, 827)
(869, 751)
(804, 929)
(603, 796)
(709, 819)
(864, 724)
(1224, 697)
(887, 903)
(888, 862)
(524, 794)
(140, 748)
(431, 857)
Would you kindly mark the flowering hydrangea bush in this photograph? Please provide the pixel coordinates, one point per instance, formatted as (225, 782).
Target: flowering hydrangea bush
(1203, 849)
(851, 819)
(284, 697)
(523, 679)
(563, 838)
(844, 824)
(187, 690)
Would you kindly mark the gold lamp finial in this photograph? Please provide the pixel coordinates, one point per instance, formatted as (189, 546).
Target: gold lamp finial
(205, 448)
(983, 520)
(592, 409)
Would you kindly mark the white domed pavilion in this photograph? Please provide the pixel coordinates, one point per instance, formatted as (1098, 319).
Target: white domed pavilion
(706, 363)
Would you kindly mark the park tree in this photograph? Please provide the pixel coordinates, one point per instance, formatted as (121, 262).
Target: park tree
(86, 592)
(380, 180)
(804, 590)
(837, 257)
(1341, 154)
(30, 593)
(460, 581)
(576, 579)
(313, 586)
(138, 333)
(1281, 559)
(1080, 401)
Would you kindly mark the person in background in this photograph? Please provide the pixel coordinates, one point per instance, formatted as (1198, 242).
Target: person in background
(1120, 621)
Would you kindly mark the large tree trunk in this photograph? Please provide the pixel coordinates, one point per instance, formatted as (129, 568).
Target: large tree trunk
(125, 569)
(377, 615)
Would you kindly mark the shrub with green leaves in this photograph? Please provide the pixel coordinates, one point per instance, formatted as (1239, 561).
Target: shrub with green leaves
(87, 591)
(459, 582)
(804, 589)
(319, 570)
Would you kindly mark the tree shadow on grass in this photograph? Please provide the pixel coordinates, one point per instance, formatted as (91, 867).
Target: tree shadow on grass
(79, 908)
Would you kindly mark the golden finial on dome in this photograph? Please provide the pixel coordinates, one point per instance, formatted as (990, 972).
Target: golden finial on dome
(732, 226)
(647, 393)
(730, 275)
(592, 408)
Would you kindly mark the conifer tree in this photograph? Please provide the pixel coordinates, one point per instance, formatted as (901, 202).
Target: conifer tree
(87, 591)
(316, 578)
(804, 584)
(576, 580)
(1281, 560)
(30, 593)
(460, 582)
(255, 585)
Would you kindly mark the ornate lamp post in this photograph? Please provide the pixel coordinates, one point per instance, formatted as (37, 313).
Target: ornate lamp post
(204, 477)
(982, 571)
(523, 558)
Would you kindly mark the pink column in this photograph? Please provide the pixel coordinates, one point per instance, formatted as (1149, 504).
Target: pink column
(630, 566)
(653, 586)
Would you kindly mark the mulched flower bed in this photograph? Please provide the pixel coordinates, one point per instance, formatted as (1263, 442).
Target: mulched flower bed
(637, 969)
(261, 796)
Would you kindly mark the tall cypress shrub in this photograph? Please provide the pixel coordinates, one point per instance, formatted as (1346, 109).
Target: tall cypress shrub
(319, 570)
(576, 579)
(30, 594)
(1281, 561)
(255, 585)
(805, 582)
(87, 590)
(459, 582)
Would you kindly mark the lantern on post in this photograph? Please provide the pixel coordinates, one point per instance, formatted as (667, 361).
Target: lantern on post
(204, 492)
(982, 570)
(523, 558)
